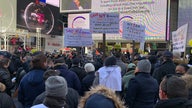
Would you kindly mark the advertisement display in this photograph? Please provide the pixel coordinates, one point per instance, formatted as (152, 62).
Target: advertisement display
(78, 21)
(150, 13)
(69, 6)
(38, 14)
(52, 44)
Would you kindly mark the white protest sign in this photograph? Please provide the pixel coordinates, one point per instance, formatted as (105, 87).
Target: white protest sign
(133, 31)
(77, 37)
(104, 22)
(179, 38)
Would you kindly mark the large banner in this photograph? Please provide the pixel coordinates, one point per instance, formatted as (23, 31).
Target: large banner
(77, 37)
(133, 31)
(104, 22)
(151, 13)
(179, 38)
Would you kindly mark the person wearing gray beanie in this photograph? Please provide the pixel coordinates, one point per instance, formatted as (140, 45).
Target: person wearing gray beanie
(144, 66)
(143, 88)
(55, 91)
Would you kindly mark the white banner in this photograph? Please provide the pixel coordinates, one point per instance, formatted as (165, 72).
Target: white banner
(133, 31)
(77, 37)
(104, 22)
(52, 44)
(179, 38)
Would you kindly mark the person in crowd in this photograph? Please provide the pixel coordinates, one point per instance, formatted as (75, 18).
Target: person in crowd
(167, 67)
(5, 100)
(127, 77)
(153, 61)
(100, 97)
(39, 99)
(110, 74)
(72, 79)
(55, 93)
(89, 78)
(143, 89)
(189, 71)
(71, 97)
(188, 79)
(33, 81)
(5, 76)
(120, 63)
(181, 69)
(77, 69)
(177, 58)
(50, 63)
(173, 93)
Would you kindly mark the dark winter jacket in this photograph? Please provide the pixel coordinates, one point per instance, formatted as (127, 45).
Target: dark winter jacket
(167, 67)
(31, 86)
(88, 81)
(174, 103)
(5, 78)
(142, 91)
(79, 71)
(70, 76)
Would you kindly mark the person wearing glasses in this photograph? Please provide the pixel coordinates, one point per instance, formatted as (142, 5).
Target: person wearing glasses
(173, 93)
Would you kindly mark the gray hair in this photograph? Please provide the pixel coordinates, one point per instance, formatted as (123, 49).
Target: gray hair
(144, 66)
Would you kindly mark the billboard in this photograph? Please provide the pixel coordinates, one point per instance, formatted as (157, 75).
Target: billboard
(150, 13)
(32, 15)
(7, 15)
(69, 6)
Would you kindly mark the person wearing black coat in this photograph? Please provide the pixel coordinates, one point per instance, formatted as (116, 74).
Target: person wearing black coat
(5, 76)
(89, 78)
(173, 93)
(167, 67)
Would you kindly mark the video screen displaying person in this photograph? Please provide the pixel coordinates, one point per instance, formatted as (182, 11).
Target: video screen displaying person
(75, 5)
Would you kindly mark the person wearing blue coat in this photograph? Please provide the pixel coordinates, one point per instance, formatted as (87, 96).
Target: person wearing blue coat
(70, 76)
(32, 84)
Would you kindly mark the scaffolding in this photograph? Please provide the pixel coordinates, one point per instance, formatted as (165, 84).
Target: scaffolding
(38, 39)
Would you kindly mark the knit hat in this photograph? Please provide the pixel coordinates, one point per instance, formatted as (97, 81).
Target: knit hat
(56, 86)
(144, 66)
(76, 61)
(131, 66)
(167, 54)
(99, 101)
(89, 67)
(59, 60)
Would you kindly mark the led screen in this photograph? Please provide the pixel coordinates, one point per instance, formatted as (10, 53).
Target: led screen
(150, 13)
(32, 15)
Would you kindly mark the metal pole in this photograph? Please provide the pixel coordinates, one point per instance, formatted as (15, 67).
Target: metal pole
(104, 46)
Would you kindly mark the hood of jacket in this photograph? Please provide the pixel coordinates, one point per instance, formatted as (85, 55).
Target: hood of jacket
(101, 92)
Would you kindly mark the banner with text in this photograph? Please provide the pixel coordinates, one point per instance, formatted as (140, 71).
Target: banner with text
(104, 22)
(179, 38)
(77, 37)
(133, 31)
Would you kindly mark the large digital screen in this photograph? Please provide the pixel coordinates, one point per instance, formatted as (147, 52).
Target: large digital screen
(185, 16)
(70, 6)
(33, 14)
(150, 13)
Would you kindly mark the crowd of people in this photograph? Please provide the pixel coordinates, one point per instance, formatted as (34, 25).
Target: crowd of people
(45, 80)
